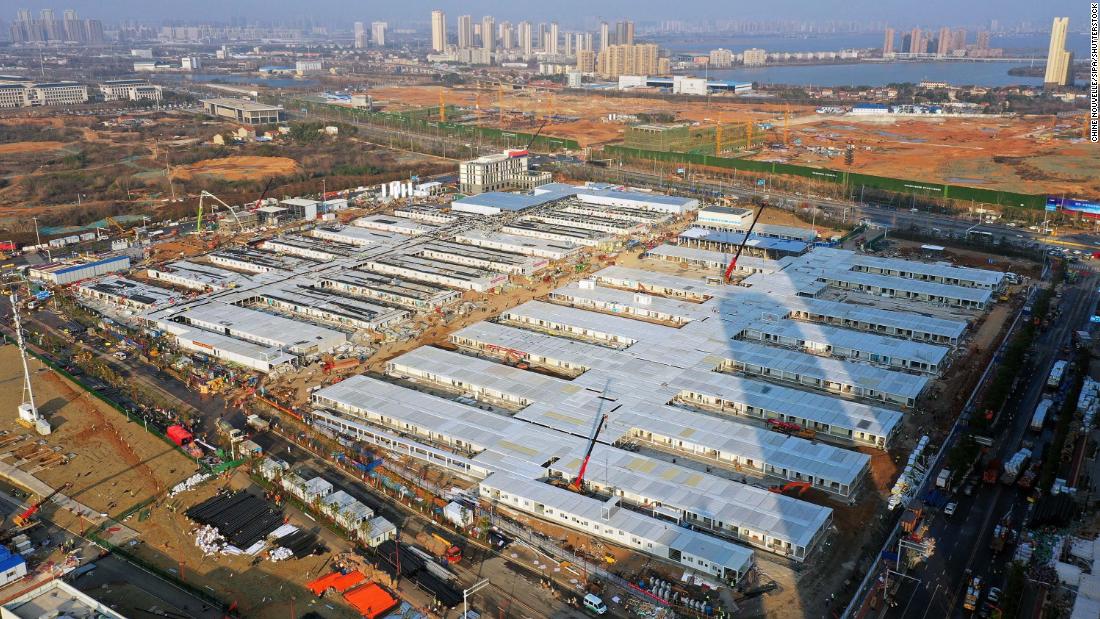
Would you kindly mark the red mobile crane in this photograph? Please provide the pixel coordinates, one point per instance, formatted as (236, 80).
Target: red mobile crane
(741, 247)
(575, 485)
(22, 519)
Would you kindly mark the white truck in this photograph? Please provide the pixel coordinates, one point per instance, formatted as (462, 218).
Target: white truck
(944, 478)
(1040, 416)
(1015, 465)
(1056, 374)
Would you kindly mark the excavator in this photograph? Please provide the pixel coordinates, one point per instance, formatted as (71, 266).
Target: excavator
(24, 518)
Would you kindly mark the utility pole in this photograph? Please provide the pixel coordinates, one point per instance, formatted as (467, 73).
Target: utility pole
(474, 588)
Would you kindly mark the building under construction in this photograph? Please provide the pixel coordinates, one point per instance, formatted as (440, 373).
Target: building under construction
(689, 138)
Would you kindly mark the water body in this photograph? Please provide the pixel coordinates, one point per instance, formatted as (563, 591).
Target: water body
(1017, 44)
(880, 74)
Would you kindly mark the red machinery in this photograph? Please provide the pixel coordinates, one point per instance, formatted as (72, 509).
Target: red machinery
(22, 519)
(733, 263)
(802, 487)
(575, 485)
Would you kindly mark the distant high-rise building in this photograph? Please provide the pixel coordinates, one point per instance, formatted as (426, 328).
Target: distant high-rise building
(587, 46)
(943, 44)
(888, 43)
(624, 33)
(568, 49)
(525, 42)
(48, 29)
(488, 33)
(619, 60)
(465, 31)
(360, 32)
(916, 42)
(721, 58)
(586, 61)
(552, 48)
(983, 39)
(958, 39)
(439, 31)
(1059, 62)
(540, 40)
(507, 35)
(378, 33)
(605, 35)
(754, 57)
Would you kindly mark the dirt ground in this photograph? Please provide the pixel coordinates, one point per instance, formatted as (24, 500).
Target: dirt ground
(1019, 154)
(244, 168)
(21, 148)
(115, 465)
(592, 125)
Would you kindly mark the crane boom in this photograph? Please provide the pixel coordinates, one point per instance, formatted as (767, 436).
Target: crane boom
(741, 247)
(537, 132)
(575, 485)
(23, 518)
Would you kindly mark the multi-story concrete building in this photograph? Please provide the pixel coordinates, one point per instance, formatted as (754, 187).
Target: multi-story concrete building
(754, 57)
(244, 111)
(129, 90)
(552, 47)
(586, 61)
(1059, 61)
(619, 60)
(360, 32)
(525, 42)
(465, 31)
(507, 170)
(721, 58)
(488, 33)
(888, 43)
(439, 31)
(56, 93)
(378, 33)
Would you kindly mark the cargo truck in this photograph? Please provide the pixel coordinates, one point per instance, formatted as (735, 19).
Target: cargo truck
(973, 592)
(1056, 374)
(1015, 465)
(1040, 416)
(944, 478)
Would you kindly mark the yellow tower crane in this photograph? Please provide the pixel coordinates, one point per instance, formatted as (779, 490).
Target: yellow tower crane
(442, 109)
(786, 125)
(718, 138)
(500, 104)
(748, 135)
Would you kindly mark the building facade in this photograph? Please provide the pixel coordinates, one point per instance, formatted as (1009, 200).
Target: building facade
(1059, 61)
(619, 60)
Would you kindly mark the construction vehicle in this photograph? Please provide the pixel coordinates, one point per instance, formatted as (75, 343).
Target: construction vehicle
(24, 518)
(943, 479)
(801, 486)
(748, 233)
(28, 410)
(198, 218)
(992, 471)
(911, 519)
(1002, 534)
(1015, 466)
(578, 481)
(263, 194)
(790, 428)
(334, 365)
(973, 592)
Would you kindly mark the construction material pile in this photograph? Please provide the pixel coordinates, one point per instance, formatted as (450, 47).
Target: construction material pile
(389, 555)
(240, 523)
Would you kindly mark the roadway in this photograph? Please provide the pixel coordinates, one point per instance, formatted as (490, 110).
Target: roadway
(962, 540)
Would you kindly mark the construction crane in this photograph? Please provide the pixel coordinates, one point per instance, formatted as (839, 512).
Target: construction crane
(22, 519)
(718, 138)
(578, 481)
(537, 132)
(500, 104)
(442, 108)
(28, 411)
(207, 194)
(263, 194)
(786, 125)
(748, 135)
(733, 263)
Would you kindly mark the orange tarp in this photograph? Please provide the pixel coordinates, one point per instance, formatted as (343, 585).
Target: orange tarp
(370, 600)
(336, 580)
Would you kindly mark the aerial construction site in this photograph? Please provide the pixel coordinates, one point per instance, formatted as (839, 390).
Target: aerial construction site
(668, 405)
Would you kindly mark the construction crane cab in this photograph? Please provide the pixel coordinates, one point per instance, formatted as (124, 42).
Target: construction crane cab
(24, 518)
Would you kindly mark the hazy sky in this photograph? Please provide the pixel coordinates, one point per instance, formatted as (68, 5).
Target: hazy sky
(570, 12)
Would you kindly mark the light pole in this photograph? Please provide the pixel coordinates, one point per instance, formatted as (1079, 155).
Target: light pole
(474, 588)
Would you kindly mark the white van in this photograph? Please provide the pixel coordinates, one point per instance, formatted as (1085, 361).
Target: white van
(595, 604)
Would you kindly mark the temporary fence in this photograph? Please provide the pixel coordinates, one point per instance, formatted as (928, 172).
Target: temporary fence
(922, 188)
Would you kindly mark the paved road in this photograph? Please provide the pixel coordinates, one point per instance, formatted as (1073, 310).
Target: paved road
(962, 541)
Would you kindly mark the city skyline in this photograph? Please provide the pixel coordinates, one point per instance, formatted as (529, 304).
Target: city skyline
(571, 13)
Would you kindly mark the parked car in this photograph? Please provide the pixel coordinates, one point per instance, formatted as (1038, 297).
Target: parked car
(949, 509)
